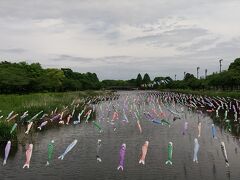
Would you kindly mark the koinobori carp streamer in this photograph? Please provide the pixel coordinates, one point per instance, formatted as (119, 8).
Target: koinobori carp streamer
(144, 152)
(69, 148)
(122, 153)
(28, 156)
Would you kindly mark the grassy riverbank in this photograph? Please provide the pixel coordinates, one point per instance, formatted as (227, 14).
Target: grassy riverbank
(40, 101)
(34, 103)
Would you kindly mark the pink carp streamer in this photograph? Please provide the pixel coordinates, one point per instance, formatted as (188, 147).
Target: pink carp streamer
(28, 156)
(144, 153)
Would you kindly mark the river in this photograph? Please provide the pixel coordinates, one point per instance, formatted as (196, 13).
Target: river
(80, 163)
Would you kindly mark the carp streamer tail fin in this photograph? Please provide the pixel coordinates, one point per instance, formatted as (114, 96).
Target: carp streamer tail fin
(120, 167)
(26, 165)
(142, 162)
(169, 162)
(61, 157)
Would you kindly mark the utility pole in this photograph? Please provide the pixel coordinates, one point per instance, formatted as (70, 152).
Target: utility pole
(175, 77)
(205, 73)
(198, 71)
(220, 63)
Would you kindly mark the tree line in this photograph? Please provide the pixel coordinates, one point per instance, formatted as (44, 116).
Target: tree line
(25, 78)
(226, 80)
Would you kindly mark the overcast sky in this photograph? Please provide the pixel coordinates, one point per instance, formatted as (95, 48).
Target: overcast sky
(119, 38)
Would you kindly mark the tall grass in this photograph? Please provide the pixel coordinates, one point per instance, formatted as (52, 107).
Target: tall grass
(5, 135)
(34, 103)
(40, 101)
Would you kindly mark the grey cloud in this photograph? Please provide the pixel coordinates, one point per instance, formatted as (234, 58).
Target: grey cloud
(224, 49)
(133, 12)
(181, 26)
(171, 37)
(91, 61)
(117, 60)
(128, 67)
(13, 50)
(68, 58)
(199, 45)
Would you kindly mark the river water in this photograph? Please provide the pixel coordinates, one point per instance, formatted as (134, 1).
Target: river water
(80, 163)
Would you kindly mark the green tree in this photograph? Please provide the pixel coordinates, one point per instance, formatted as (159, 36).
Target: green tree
(235, 65)
(139, 80)
(189, 76)
(146, 79)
